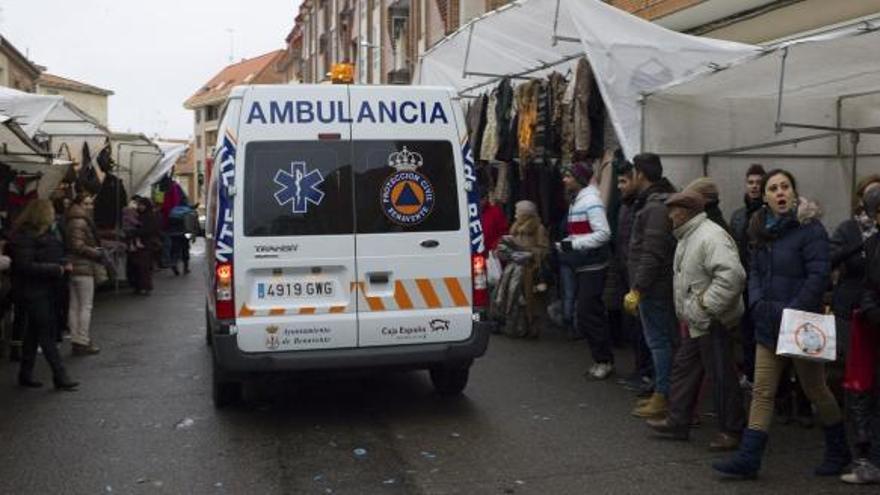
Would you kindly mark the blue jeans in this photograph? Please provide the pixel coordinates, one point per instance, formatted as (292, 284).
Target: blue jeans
(661, 334)
(569, 283)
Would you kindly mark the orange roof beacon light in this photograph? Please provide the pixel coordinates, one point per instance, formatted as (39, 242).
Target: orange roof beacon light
(342, 73)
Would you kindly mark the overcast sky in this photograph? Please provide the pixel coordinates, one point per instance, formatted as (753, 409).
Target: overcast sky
(153, 55)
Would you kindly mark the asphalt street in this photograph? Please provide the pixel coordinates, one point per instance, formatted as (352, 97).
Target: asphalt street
(529, 423)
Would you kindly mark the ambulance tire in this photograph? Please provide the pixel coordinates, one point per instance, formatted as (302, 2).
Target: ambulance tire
(448, 381)
(225, 393)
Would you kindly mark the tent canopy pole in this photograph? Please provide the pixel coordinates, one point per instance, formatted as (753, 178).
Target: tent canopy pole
(520, 75)
(781, 91)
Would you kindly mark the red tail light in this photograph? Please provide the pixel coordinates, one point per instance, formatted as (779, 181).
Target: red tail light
(481, 281)
(225, 302)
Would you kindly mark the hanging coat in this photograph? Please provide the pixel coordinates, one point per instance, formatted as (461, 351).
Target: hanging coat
(489, 146)
(504, 116)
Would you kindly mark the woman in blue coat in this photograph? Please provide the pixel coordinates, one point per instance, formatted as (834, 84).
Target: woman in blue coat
(790, 267)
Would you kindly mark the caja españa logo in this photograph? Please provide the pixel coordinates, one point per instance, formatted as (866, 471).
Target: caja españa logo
(407, 196)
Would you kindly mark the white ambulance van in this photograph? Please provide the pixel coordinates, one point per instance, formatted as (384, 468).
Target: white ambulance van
(343, 233)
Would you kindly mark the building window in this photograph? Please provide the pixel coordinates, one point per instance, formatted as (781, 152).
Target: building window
(210, 113)
(198, 115)
(210, 140)
(199, 141)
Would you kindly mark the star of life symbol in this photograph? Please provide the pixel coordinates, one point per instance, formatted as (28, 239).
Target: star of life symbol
(299, 187)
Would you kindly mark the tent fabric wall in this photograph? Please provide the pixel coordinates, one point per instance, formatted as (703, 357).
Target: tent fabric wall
(170, 153)
(135, 156)
(629, 55)
(29, 110)
(737, 108)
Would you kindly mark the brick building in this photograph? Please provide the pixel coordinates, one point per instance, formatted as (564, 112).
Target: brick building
(382, 38)
(207, 103)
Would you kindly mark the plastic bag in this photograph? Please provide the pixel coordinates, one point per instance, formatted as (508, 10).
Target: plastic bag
(493, 265)
(810, 336)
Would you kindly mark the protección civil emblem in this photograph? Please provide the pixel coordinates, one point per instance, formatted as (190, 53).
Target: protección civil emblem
(406, 196)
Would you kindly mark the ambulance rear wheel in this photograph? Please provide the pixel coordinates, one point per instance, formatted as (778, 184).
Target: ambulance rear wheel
(224, 392)
(450, 381)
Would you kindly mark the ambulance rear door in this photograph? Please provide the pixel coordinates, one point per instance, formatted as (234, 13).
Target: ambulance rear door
(412, 243)
(294, 222)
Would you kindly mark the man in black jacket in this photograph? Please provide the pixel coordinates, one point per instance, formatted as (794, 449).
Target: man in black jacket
(651, 252)
(739, 225)
(642, 381)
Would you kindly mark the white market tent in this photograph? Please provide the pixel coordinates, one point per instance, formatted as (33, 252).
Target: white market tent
(136, 155)
(811, 106)
(707, 106)
(529, 38)
(21, 153)
(53, 119)
(170, 153)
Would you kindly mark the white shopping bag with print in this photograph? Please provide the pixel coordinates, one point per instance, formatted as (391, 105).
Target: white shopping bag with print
(804, 335)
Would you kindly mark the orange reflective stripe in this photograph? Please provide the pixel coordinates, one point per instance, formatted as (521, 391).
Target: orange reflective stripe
(337, 309)
(458, 296)
(276, 311)
(428, 293)
(245, 311)
(374, 303)
(401, 296)
(307, 311)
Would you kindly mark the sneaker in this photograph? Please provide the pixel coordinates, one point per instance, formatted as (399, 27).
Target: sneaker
(864, 473)
(602, 371)
(590, 372)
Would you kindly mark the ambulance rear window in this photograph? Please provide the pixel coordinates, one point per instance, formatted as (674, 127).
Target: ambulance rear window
(298, 188)
(405, 186)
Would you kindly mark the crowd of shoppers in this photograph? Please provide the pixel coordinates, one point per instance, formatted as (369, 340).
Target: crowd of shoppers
(693, 285)
(54, 259)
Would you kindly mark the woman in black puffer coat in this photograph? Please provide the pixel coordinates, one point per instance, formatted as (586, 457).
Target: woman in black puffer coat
(790, 268)
(37, 264)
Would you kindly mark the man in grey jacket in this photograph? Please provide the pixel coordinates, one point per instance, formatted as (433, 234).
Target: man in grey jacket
(708, 280)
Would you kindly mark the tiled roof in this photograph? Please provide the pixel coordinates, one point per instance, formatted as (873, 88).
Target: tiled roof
(244, 72)
(53, 81)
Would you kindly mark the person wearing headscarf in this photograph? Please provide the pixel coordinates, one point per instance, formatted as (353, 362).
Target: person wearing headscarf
(515, 299)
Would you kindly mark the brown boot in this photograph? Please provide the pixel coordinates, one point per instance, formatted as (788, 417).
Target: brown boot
(724, 442)
(654, 408)
(668, 430)
(85, 350)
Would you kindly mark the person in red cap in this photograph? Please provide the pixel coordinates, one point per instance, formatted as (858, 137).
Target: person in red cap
(586, 252)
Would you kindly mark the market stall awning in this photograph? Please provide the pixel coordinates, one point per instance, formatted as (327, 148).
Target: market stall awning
(21, 154)
(170, 153)
(528, 38)
(54, 119)
(29, 110)
(811, 105)
(135, 155)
